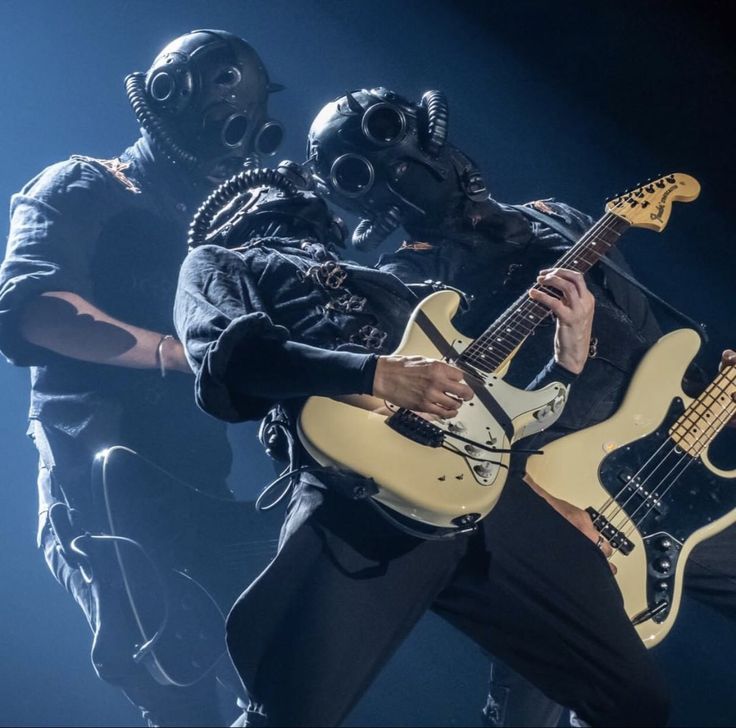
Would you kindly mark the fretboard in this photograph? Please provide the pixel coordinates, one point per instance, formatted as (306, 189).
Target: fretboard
(494, 346)
(706, 416)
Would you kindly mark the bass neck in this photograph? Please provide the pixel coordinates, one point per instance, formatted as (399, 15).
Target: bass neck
(497, 344)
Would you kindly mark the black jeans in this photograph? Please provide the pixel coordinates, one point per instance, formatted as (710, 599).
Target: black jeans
(311, 633)
(63, 463)
(710, 577)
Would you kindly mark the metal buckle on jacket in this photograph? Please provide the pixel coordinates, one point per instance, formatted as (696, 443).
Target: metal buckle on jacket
(329, 274)
(593, 348)
(370, 337)
(348, 303)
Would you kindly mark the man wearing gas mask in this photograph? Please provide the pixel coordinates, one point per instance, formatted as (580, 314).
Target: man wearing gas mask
(386, 159)
(86, 293)
(270, 314)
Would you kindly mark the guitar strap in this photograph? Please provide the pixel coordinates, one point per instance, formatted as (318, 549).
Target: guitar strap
(566, 232)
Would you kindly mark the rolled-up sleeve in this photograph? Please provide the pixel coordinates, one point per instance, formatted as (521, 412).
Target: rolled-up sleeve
(244, 362)
(55, 222)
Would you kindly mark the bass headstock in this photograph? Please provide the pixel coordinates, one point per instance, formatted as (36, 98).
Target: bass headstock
(650, 205)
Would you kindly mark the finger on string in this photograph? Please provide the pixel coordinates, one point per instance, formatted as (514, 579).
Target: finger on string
(568, 290)
(551, 302)
(575, 278)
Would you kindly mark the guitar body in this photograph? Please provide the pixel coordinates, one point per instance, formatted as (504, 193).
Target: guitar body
(663, 510)
(441, 486)
(180, 558)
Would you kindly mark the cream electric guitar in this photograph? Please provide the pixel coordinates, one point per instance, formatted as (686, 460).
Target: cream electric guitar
(449, 473)
(645, 478)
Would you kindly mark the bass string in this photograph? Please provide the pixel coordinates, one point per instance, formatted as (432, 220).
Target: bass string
(654, 495)
(693, 416)
(614, 499)
(725, 417)
(640, 485)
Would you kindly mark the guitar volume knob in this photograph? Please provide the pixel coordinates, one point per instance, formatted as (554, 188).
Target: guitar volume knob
(662, 565)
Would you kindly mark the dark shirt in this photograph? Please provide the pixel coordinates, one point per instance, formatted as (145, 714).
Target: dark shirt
(115, 235)
(498, 266)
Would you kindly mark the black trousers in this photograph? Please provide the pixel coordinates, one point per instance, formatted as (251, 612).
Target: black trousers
(710, 577)
(63, 463)
(311, 633)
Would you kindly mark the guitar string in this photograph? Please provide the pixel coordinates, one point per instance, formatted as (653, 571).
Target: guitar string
(654, 495)
(606, 223)
(686, 415)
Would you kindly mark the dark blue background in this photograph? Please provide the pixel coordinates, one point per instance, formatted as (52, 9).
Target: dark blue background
(573, 100)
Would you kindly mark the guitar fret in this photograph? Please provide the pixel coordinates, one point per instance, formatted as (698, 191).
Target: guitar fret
(499, 341)
(704, 418)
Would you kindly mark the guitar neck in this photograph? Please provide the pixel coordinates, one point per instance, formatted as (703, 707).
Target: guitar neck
(494, 346)
(707, 415)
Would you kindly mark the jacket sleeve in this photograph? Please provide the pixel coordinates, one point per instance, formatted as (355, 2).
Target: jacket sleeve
(55, 222)
(244, 362)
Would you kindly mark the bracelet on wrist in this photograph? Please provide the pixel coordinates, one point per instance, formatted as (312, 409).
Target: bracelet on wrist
(160, 360)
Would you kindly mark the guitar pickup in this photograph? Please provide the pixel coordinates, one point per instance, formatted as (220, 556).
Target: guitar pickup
(633, 485)
(416, 428)
(614, 536)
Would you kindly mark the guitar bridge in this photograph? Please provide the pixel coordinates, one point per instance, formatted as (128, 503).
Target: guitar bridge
(416, 428)
(613, 535)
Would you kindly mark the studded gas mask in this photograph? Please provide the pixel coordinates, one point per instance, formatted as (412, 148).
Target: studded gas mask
(378, 155)
(204, 103)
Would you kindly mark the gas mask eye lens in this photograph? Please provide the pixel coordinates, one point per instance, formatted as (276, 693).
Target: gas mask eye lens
(229, 77)
(269, 138)
(384, 124)
(162, 86)
(234, 130)
(351, 175)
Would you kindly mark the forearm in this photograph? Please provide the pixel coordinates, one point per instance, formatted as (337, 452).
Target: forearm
(67, 324)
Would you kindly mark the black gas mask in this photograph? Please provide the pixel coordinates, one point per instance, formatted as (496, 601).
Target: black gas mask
(378, 155)
(265, 203)
(204, 103)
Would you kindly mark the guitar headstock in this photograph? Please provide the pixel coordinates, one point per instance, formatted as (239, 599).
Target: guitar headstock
(649, 206)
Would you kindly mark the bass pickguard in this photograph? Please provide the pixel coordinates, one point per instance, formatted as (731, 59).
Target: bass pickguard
(669, 496)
